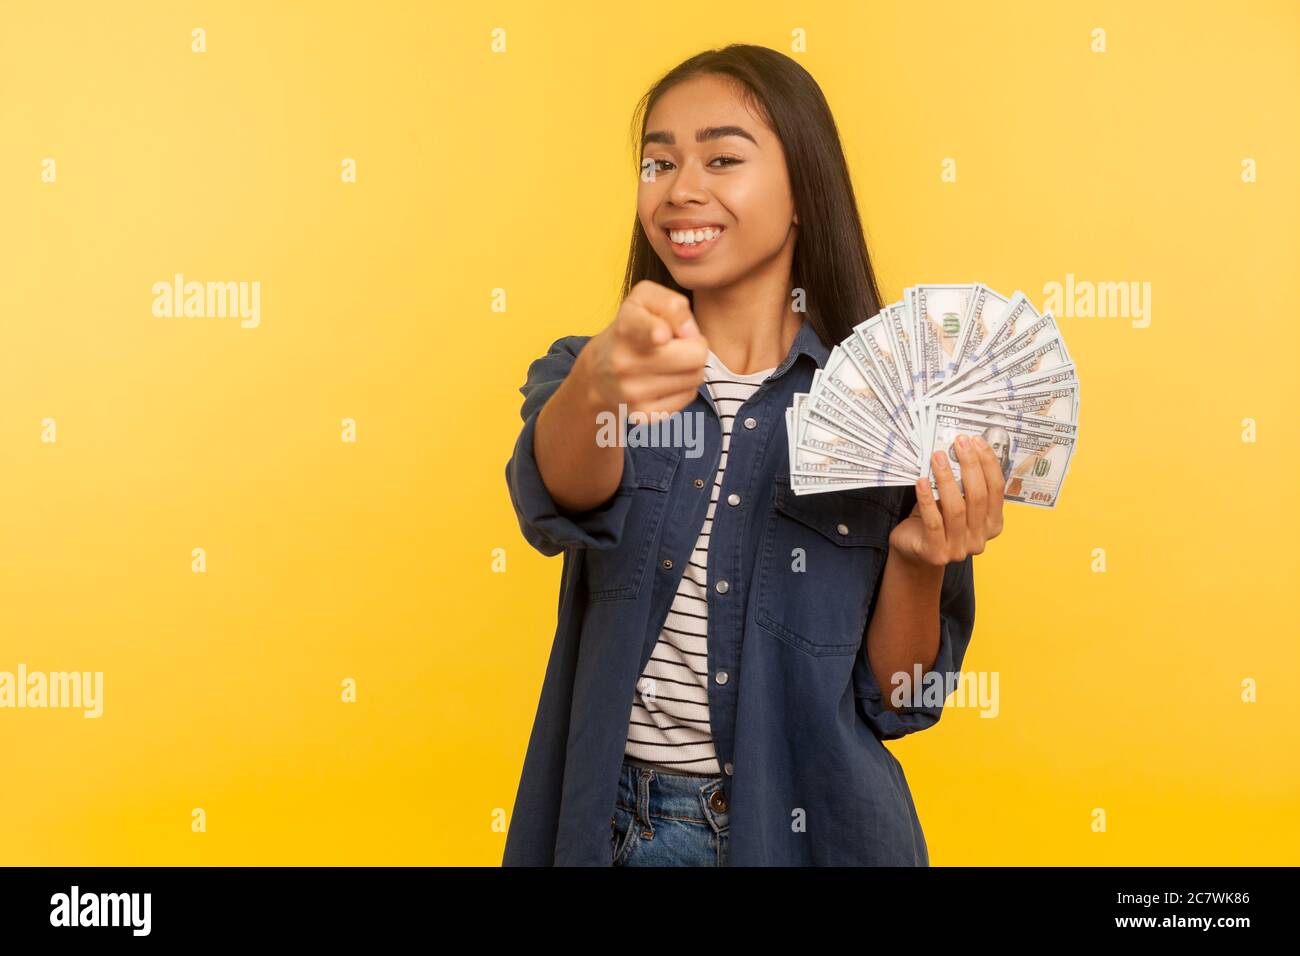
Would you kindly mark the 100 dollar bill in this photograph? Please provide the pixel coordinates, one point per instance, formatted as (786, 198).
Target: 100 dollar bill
(1033, 453)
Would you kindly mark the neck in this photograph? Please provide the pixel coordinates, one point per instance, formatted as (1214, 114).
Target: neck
(751, 324)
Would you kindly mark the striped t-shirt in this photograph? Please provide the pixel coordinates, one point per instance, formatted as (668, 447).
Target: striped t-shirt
(669, 726)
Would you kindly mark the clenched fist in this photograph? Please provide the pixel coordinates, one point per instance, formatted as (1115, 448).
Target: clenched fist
(651, 358)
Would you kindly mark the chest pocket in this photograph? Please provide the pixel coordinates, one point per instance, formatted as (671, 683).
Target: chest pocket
(820, 559)
(617, 573)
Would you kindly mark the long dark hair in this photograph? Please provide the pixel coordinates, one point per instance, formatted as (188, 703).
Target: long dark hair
(831, 262)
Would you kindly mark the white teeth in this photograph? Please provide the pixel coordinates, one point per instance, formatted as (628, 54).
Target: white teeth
(691, 236)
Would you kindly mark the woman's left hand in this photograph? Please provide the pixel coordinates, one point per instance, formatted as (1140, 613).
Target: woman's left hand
(936, 534)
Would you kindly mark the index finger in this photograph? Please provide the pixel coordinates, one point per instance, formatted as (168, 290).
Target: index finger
(973, 484)
(645, 330)
(994, 480)
(951, 501)
(669, 305)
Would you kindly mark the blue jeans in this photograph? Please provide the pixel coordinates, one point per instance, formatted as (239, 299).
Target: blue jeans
(664, 818)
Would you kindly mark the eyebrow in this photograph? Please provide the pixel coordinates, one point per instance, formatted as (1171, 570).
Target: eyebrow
(706, 133)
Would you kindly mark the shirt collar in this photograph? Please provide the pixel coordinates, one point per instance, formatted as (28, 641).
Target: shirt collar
(806, 342)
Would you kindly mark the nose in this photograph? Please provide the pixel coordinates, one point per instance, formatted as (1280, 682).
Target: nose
(688, 184)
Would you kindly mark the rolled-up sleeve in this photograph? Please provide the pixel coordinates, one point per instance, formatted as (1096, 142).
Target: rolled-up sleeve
(956, 624)
(545, 525)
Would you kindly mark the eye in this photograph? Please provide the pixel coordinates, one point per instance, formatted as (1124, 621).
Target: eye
(726, 161)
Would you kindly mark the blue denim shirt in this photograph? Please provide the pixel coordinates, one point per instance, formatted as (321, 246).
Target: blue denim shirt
(798, 721)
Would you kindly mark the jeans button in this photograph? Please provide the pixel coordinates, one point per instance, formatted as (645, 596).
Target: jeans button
(718, 801)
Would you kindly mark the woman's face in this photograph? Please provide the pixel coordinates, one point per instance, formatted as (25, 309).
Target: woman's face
(714, 164)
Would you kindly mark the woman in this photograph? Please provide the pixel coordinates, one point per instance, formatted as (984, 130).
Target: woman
(713, 695)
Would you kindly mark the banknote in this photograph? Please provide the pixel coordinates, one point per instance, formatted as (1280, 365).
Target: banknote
(1033, 453)
(940, 311)
(986, 310)
(948, 359)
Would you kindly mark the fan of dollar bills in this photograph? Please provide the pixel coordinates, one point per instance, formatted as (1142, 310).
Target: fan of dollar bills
(948, 360)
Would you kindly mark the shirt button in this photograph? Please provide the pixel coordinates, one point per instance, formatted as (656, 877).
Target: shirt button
(733, 499)
(726, 768)
(722, 587)
(668, 564)
(720, 677)
(842, 528)
(750, 423)
(699, 482)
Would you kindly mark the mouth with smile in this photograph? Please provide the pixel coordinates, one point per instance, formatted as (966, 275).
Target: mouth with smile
(690, 240)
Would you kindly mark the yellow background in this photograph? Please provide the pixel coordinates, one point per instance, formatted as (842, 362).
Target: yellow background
(479, 171)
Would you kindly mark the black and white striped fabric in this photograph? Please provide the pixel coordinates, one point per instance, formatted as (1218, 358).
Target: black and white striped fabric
(669, 726)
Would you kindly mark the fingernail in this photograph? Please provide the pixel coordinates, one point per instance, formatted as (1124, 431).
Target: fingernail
(938, 458)
(980, 442)
(962, 443)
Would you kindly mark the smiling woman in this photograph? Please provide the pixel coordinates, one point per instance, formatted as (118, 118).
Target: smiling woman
(742, 141)
(714, 694)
